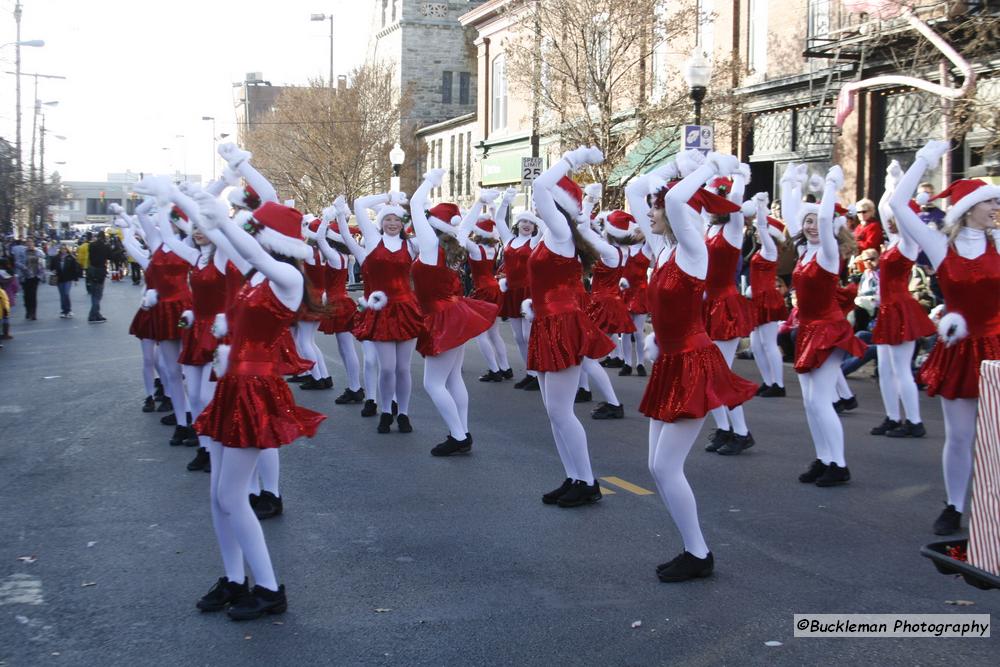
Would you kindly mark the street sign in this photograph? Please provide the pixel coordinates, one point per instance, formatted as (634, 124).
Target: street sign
(699, 137)
(531, 168)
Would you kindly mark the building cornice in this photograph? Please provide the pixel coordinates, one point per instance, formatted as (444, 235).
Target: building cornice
(446, 124)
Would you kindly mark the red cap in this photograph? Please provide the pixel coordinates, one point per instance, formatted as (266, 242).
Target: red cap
(282, 219)
(569, 195)
(445, 211)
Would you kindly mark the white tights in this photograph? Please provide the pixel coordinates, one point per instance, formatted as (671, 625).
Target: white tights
(959, 435)
(349, 355)
(818, 390)
(305, 341)
(558, 392)
(635, 342)
(724, 417)
(200, 388)
(444, 384)
(895, 380)
(371, 369)
(669, 445)
(236, 527)
(767, 354)
(394, 374)
(843, 389)
(170, 373)
(522, 333)
(493, 348)
(148, 364)
(593, 370)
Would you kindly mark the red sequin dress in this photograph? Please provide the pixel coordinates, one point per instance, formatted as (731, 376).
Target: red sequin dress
(140, 326)
(315, 274)
(252, 405)
(173, 296)
(450, 319)
(341, 308)
(561, 334)
(690, 376)
(728, 314)
(822, 324)
(768, 304)
(485, 286)
(606, 307)
(900, 318)
(208, 297)
(515, 269)
(400, 319)
(636, 273)
(971, 287)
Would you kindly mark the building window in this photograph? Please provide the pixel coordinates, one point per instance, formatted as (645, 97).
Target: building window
(463, 87)
(819, 19)
(468, 162)
(705, 34)
(499, 87)
(757, 46)
(451, 167)
(461, 158)
(385, 7)
(394, 3)
(446, 88)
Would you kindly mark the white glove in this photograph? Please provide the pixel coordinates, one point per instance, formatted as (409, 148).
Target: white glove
(933, 151)
(488, 195)
(623, 284)
(187, 317)
(220, 360)
(748, 293)
(220, 328)
(527, 311)
(149, 299)
(230, 177)
(435, 177)
(668, 171)
(372, 201)
(158, 187)
(115, 209)
(213, 212)
(688, 161)
(761, 199)
(952, 327)
(509, 194)
(233, 155)
(835, 176)
(815, 183)
(575, 157)
(503, 284)
(594, 192)
(722, 163)
(593, 155)
(744, 171)
(341, 207)
(398, 199)
(329, 213)
(894, 171)
(652, 349)
(188, 188)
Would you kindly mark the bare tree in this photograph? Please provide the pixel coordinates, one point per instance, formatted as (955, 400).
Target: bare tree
(319, 142)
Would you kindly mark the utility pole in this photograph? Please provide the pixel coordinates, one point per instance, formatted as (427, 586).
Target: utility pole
(18, 174)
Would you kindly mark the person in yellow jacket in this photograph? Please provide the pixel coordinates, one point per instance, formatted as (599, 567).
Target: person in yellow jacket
(83, 252)
(4, 312)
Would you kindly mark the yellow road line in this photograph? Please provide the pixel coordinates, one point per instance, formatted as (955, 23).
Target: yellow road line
(628, 486)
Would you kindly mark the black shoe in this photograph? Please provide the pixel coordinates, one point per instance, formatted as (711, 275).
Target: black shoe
(158, 389)
(685, 567)
(625, 371)
(507, 373)
(774, 391)
(552, 497)
(268, 506)
(254, 501)
(403, 424)
(182, 433)
(816, 470)
(718, 439)
(491, 376)
(523, 381)
(149, 405)
(199, 461)
(736, 444)
(762, 388)
(583, 396)
(223, 594)
(605, 410)
(532, 384)
(609, 362)
(452, 446)
(908, 430)
(949, 523)
(580, 493)
(886, 426)
(351, 396)
(395, 408)
(640, 370)
(314, 384)
(369, 409)
(846, 404)
(299, 378)
(258, 602)
(166, 405)
(384, 422)
(834, 475)
(100, 319)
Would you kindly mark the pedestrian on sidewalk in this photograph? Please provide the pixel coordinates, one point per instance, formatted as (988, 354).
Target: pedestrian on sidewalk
(32, 272)
(66, 271)
(9, 286)
(97, 270)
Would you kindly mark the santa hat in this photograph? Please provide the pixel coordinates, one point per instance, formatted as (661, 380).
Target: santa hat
(443, 217)
(806, 208)
(486, 228)
(245, 198)
(176, 212)
(279, 230)
(964, 194)
(775, 227)
(721, 185)
(619, 224)
(310, 225)
(333, 231)
(528, 216)
(568, 195)
(390, 209)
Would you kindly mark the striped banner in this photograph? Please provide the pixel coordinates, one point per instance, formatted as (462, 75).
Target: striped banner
(984, 526)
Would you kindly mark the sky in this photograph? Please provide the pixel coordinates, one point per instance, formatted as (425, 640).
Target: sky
(140, 75)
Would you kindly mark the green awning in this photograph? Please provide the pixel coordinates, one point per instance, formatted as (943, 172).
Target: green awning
(649, 152)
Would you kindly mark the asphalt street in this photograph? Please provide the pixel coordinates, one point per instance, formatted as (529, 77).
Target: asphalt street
(392, 557)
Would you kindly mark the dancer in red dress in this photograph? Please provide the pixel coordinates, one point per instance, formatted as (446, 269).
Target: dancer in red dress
(561, 333)
(899, 323)
(513, 281)
(635, 279)
(824, 335)
(253, 408)
(307, 325)
(965, 256)
(449, 318)
(689, 375)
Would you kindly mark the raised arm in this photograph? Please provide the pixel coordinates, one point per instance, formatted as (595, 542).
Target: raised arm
(144, 213)
(131, 243)
(768, 249)
(188, 253)
(503, 228)
(692, 255)
(368, 229)
(427, 240)
(239, 161)
(486, 197)
(933, 242)
(829, 252)
(733, 229)
(541, 194)
(791, 197)
(635, 194)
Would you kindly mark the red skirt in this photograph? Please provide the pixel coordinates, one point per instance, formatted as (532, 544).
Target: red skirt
(141, 323)
(817, 340)
(728, 317)
(255, 411)
(489, 294)
(164, 319)
(635, 300)
(288, 359)
(343, 313)
(900, 322)
(687, 385)
(769, 307)
(454, 324)
(198, 344)
(953, 372)
(845, 297)
(510, 305)
(610, 314)
(398, 321)
(562, 340)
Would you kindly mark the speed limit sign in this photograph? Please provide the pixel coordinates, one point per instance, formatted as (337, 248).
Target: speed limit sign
(531, 168)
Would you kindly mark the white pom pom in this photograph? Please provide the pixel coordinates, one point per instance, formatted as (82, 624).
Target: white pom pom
(816, 183)
(923, 197)
(952, 328)
(188, 317)
(362, 303)
(377, 300)
(652, 349)
(503, 284)
(220, 328)
(748, 292)
(749, 208)
(624, 284)
(220, 361)
(149, 299)
(527, 310)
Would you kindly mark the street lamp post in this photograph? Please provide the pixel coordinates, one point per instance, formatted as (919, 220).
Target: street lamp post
(325, 17)
(697, 74)
(212, 118)
(396, 157)
(18, 43)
